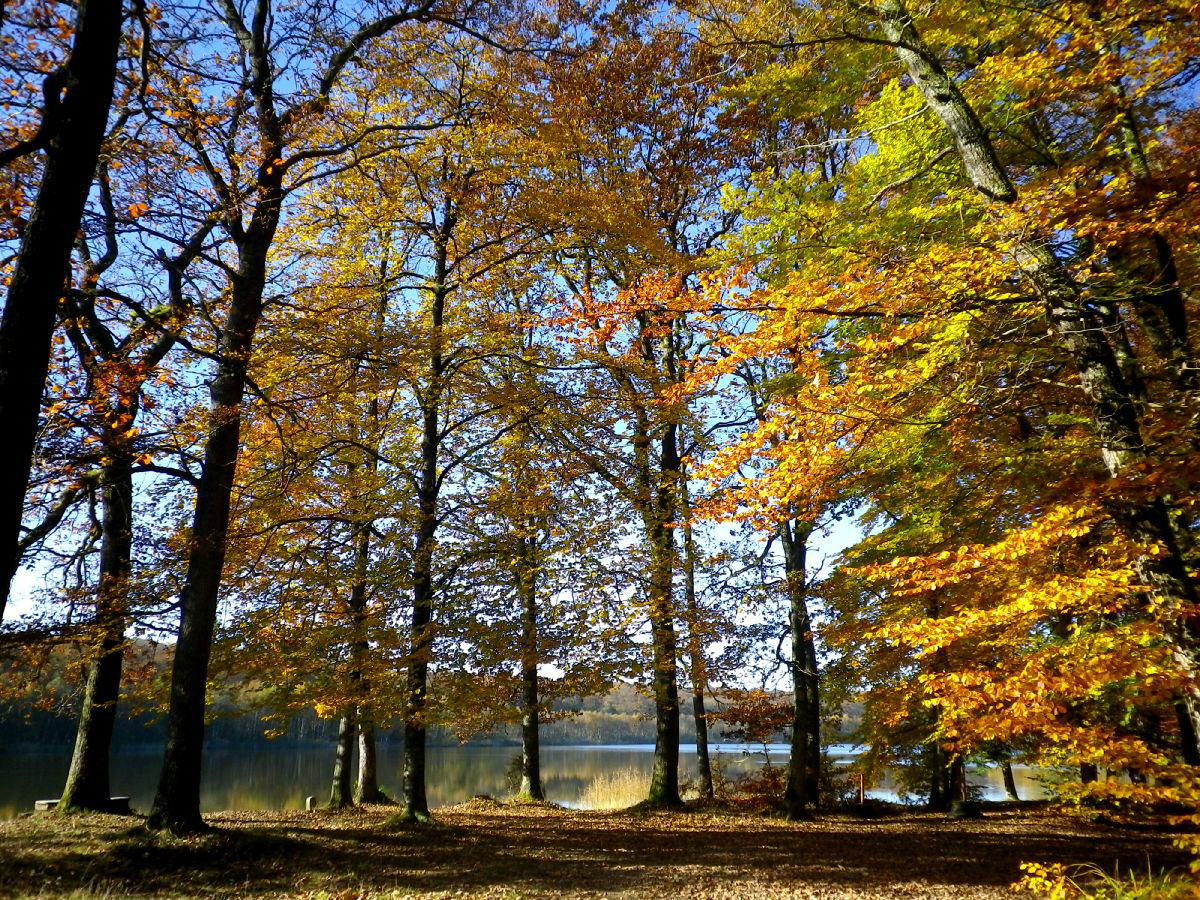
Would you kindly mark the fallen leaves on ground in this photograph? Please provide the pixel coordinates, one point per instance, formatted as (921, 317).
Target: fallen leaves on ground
(485, 849)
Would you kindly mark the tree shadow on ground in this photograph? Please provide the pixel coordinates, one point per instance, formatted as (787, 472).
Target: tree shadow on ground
(506, 851)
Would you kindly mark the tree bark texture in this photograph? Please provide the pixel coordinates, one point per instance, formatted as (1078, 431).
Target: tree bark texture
(531, 757)
(177, 801)
(368, 763)
(340, 794)
(699, 669)
(87, 785)
(416, 806)
(804, 761)
(72, 129)
(664, 777)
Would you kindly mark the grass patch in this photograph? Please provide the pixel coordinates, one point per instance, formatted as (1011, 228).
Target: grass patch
(619, 789)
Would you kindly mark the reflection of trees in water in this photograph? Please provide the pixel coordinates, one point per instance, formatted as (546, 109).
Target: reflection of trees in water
(989, 780)
(281, 778)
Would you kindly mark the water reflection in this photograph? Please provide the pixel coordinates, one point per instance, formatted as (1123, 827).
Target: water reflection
(281, 777)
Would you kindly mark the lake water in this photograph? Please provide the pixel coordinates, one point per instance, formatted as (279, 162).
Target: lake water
(281, 777)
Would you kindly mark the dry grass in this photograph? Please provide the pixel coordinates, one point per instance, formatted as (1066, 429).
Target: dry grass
(508, 852)
(619, 789)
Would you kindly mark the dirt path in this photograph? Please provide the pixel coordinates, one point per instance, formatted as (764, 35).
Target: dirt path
(483, 849)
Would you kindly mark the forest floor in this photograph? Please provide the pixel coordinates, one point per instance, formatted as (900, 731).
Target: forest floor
(506, 852)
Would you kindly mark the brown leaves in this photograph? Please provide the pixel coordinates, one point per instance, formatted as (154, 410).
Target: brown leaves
(491, 850)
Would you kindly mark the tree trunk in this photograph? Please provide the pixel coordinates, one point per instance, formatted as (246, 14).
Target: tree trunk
(1188, 745)
(87, 784)
(73, 124)
(1113, 411)
(177, 801)
(959, 789)
(664, 778)
(1010, 782)
(416, 806)
(340, 795)
(804, 760)
(812, 683)
(360, 686)
(939, 780)
(699, 674)
(368, 763)
(531, 760)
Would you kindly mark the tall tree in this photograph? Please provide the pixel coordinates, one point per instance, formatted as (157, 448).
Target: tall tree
(117, 368)
(250, 194)
(77, 96)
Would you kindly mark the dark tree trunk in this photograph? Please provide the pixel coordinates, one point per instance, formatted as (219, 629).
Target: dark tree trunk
(177, 801)
(804, 761)
(1188, 745)
(959, 790)
(72, 133)
(939, 780)
(340, 795)
(812, 683)
(416, 806)
(696, 659)
(360, 686)
(1113, 409)
(87, 784)
(1088, 773)
(664, 778)
(1010, 782)
(531, 757)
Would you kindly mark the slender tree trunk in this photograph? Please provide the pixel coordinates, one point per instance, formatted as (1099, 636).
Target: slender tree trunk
(416, 806)
(1113, 410)
(360, 685)
(1010, 782)
(531, 759)
(73, 125)
(664, 778)
(699, 673)
(87, 784)
(340, 795)
(177, 801)
(367, 790)
(804, 760)
(812, 684)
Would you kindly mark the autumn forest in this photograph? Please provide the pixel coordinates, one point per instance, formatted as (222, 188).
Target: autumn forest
(429, 365)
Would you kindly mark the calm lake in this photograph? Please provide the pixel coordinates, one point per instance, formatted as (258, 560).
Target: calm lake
(280, 778)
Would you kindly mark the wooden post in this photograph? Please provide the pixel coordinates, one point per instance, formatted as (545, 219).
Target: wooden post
(862, 791)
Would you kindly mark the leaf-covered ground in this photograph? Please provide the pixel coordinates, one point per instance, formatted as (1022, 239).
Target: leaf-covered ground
(486, 849)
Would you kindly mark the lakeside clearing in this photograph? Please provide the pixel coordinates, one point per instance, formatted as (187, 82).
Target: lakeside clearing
(488, 849)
